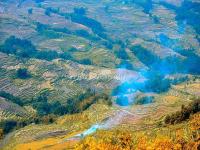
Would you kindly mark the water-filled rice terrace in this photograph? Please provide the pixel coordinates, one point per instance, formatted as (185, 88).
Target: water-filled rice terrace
(102, 65)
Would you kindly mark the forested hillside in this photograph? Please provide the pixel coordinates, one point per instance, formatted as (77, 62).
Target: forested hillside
(90, 74)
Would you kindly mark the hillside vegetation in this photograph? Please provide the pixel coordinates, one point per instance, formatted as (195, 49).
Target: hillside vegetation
(90, 74)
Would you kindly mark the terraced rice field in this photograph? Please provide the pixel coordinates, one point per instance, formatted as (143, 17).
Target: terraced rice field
(138, 49)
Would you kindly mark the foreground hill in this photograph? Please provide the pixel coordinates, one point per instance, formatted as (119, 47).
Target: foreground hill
(68, 47)
(90, 74)
(101, 125)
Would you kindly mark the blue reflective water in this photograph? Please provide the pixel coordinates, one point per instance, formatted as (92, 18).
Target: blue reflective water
(89, 131)
(122, 101)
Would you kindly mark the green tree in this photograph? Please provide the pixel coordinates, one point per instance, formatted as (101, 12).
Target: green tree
(30, 11)
(22, 73)
(80, 11)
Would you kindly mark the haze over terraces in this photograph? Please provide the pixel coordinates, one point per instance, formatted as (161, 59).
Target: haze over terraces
(73, 58)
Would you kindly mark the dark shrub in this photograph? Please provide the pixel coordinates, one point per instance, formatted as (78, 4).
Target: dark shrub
(22, 73)
(47, 55)
(85, 61)
(8, 125)
(72, 49)
(144, 100)
(11, 98)
(48, 11)
(184, 113)
(30, 11)
(121, 53)
(80, 11)
(66, 55)
(22, 48)
(1, 134)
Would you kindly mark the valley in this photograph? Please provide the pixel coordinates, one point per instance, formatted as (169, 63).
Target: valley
(90, 74)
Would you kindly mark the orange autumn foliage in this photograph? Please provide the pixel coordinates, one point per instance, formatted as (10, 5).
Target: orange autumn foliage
(119, 141)
(186, 138)
(195, 122)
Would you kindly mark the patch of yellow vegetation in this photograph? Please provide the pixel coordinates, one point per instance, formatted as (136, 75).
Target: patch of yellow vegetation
(188, 86)
(95, 113)
(191, 88)
(36, 145)
(12, 67)
(72, 119)
(176, 137)
(194, 85)
(170, 99)
(195, 122)
(46, 85)
(32, 67)
(92, 75)
(180, 86)
(63, 145)
(48, 74)
(30, 109)
(18, 82)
